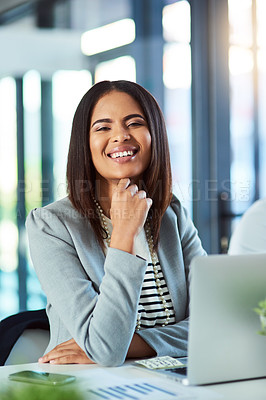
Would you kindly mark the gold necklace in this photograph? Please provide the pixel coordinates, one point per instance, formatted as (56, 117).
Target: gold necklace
(103, 222)
(154, 260)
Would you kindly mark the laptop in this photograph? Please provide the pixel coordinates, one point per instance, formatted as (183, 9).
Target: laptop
(227, 340)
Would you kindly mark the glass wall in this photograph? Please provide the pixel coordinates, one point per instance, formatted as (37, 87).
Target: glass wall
(177, 95)
(33, 173)
(261, 61)
(248, 93)
(68, 87)
(8, 198)
(242, 103)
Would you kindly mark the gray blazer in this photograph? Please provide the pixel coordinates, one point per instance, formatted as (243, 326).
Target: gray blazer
(93, 298)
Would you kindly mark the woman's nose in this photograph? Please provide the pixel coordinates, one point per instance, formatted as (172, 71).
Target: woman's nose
(120, 135)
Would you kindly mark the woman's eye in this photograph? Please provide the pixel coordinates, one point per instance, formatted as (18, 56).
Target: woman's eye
(134, 124)
(102, 128)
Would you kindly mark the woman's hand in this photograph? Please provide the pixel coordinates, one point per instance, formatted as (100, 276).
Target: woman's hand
(129, 210)
(66, 353)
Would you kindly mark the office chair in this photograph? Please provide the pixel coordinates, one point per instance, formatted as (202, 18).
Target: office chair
(23, 337)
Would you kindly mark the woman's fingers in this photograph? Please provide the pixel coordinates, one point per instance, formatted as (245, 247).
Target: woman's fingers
(141, 194)
(133, 189)
(149, 202)
(66, 353)
(123, 184)
(71, 357)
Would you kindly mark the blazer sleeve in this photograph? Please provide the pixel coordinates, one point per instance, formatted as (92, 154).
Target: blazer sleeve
(102, 323)
(172, 339)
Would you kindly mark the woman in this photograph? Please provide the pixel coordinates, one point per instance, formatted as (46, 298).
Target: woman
(113, 257)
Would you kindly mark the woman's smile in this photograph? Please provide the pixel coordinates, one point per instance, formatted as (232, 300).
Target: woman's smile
(123, 154)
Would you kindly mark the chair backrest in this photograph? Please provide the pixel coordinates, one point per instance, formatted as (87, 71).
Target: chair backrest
(29, 347)
(23, 337)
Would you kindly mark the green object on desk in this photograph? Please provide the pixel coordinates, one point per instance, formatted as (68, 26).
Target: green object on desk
(261, 311)
(37, 392)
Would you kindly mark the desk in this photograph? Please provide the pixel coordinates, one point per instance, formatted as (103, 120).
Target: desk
(92, 376)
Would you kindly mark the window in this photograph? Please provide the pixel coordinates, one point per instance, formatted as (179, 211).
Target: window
(8, 198)
(248, 90)
(68, 89)
(177, 95)
(261, 59)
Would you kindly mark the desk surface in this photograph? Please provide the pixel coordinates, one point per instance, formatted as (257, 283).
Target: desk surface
(95, 378)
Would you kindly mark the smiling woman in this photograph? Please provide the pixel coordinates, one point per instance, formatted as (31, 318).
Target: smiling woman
(114, 256)
(82, 174)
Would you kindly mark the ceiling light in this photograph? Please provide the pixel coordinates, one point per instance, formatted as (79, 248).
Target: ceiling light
(108, 37)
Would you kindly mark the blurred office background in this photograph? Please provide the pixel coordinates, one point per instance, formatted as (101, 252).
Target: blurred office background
(204, 61)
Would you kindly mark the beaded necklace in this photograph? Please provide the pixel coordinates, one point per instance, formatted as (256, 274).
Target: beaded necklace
(154, 260)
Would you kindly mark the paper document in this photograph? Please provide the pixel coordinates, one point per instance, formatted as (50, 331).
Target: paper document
(131, 383)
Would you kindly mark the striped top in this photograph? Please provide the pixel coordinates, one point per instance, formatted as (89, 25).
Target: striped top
(151, 311)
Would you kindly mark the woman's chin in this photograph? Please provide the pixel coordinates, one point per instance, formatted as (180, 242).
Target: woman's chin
(133, 178)
(115, 178)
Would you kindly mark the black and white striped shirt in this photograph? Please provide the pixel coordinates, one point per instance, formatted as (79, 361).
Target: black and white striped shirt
(150, 309)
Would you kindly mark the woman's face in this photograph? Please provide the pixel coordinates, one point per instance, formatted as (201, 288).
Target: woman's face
(120, 141)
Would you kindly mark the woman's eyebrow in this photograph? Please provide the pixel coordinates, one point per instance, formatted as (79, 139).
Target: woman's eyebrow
(101, 120)
(133, 116)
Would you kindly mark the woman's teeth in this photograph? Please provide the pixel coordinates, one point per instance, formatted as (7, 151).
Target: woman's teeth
(122, 154)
